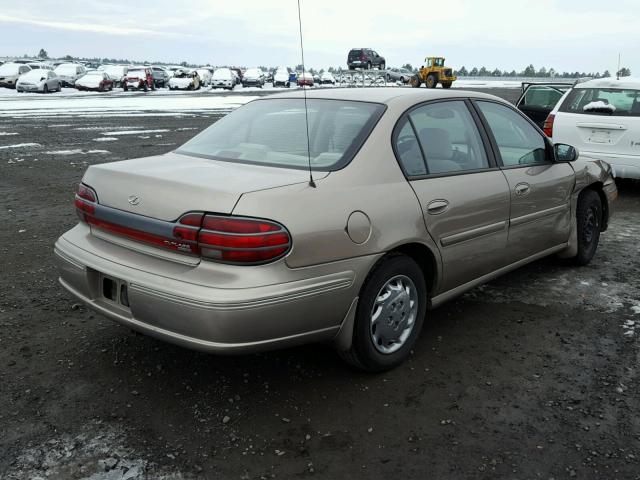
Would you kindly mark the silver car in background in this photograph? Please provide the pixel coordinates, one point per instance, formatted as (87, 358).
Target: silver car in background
(39, 80)
(10, 72)
(68, 73)
(253, 236)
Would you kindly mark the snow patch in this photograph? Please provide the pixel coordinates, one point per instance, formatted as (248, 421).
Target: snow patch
(21, 145)
(136, 132)
(77, 151)
(4, 134)
(99, 452)
(599, 105)
(105, 139)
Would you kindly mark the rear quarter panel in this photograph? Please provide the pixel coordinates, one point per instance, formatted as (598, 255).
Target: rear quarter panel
(317, 217)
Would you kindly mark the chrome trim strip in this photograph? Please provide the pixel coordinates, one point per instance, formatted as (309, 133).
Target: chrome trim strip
(473, 233)
(530, 217)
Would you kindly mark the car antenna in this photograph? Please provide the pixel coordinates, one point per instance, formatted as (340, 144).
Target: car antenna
(618, 72)
(304, 91)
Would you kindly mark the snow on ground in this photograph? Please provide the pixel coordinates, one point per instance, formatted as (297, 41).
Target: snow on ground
(20, 145)
(4, 134)
(136, 132)
(105, 139)
(98, 452)
(76, 151)
(117, 105)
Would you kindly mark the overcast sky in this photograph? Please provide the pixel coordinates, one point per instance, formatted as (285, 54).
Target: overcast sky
(583, 35)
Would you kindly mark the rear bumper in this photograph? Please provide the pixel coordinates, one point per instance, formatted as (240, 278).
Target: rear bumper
(623, 166)
(211, 318)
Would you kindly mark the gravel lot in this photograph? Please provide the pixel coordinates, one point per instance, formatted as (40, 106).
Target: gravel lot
(534, 375)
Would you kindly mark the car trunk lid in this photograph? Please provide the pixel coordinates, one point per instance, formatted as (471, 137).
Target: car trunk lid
(151, 194)
(166, 186)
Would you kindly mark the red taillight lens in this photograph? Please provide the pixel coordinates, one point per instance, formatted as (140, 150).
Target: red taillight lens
(85, 202)
(547, 128)
(242, 240)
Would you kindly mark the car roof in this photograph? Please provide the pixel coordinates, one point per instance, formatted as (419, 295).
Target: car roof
(387, 95)
(612, 82)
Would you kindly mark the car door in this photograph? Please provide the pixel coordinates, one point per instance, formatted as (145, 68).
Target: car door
(463, 195)
(538, 100)
(540, 188)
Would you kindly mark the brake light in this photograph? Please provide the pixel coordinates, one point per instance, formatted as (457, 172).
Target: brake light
(85, 202)
(547, 128)
(242, 240)
(214, 237)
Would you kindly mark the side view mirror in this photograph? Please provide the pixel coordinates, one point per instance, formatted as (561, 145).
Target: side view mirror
(565, 153)
(42, 78)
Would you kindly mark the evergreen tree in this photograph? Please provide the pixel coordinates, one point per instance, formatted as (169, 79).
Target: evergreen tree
(43, 54)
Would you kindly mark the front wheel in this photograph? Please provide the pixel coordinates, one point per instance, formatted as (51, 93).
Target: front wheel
(389, 316)
(588, 222)
(415, 81)
(432, 81)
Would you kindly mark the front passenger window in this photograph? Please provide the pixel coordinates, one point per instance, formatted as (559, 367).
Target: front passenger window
(518, 141)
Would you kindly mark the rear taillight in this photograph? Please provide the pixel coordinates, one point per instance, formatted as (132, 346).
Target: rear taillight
(219, 238)
(85, 202)
(242, 240)
(547, 128)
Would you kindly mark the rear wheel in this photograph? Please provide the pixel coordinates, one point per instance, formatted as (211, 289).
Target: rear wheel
(446, 84)
(589, 221)
(389, 316)
(432, 81)
(415, 81)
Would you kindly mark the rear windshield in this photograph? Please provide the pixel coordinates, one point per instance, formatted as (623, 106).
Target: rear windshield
(603, 101)
(273, 132)
(546, 96)
(355, 52)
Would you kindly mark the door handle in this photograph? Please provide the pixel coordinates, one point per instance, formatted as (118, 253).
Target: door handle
(436, 207)
(522, 189)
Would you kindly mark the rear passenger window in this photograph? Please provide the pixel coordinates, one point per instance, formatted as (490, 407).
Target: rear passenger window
(449, 137)
(408, 151)
(518, 141)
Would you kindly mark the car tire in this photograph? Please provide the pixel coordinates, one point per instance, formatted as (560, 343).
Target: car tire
(394, 273)
(588, 224)
(432, 81)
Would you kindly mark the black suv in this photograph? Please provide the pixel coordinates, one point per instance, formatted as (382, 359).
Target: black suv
(365, 58)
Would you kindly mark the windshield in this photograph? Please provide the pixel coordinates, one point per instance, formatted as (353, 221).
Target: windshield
(222, 73)
(9, 69)
(134, 73)
(603, 101)
(273, 132)
(253, 73)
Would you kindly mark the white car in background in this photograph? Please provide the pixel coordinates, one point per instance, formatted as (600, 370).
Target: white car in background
(68, 73)
(42, 65)
(39, 80)
(601, 118)
(10, 72)
(327, 79)
(281, 77)
(223, 78)
(205, 76)
(116, 73)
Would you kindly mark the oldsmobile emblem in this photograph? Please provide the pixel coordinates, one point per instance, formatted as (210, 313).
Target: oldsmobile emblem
(133, 200)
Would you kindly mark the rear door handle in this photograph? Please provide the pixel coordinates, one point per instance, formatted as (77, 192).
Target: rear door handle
(522, 189)
(436, 207)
